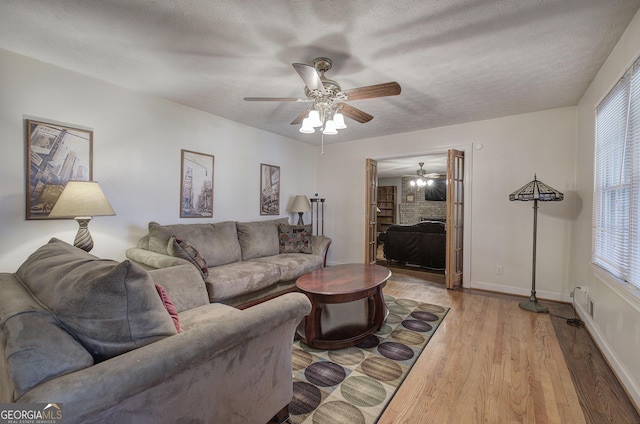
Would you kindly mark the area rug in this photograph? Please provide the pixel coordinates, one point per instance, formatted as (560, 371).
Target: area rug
(354, 385)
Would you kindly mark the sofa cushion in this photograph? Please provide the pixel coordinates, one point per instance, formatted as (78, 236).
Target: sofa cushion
(259, 238)
(293, 265)
(110, 307)
(185, 250)
(217, 243)
(239, 278)
(38, 350)
(295, 238)
(27, 334)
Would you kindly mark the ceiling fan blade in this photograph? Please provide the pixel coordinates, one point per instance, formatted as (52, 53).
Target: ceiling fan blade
(300, 117)
(355, 114)
(275, 99)
(310, 76)
(371, 91)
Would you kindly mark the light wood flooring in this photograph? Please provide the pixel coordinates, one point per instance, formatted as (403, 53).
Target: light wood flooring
(492, 362)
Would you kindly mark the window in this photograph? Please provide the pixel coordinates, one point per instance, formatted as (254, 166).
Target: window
(616, 223)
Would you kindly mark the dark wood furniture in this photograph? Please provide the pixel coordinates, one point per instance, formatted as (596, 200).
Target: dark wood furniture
(358, 290)
(387, 205)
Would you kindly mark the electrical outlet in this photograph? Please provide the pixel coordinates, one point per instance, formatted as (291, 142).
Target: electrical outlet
(498, 269)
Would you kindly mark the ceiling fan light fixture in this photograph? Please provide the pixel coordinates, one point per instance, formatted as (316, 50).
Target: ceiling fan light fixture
(420, 182)
(306, 127)
(314, 118)
(338, 120)
(329, 127)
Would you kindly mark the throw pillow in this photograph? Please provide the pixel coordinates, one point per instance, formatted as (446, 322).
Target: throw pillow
(295, 238)
(259, 238)
(183, 249)
(168, 305)
(110, 307)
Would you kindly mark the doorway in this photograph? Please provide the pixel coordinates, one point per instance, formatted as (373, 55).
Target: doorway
(414, 207)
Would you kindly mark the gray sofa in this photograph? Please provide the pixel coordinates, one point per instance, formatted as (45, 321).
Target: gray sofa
(97, 336)
(242, 263)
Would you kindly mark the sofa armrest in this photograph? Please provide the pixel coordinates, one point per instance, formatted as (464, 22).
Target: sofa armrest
(153, 260)
(234, 368)
(183, 284)
(320, 246)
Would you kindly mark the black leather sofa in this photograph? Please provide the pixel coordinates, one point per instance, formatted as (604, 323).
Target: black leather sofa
(422, 244)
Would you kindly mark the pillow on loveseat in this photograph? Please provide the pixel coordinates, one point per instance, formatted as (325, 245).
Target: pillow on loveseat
(110, 307)
(295, 238)
(185, 250)
(259, 238)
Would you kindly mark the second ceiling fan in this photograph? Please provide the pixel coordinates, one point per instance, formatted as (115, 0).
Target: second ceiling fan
(329, 108)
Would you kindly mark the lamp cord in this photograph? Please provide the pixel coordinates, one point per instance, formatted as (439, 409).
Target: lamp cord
(575, 322)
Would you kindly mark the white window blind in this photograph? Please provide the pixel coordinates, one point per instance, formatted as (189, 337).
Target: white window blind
(616, 225)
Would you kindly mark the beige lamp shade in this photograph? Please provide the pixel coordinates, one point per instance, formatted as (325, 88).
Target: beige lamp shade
(300, 205)
(82, 200)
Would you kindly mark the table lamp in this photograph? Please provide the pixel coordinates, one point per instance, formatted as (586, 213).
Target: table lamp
(82, 200)
(300, 205)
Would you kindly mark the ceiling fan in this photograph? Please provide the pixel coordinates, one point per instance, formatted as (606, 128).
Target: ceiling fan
(423, 178)
(329, 108)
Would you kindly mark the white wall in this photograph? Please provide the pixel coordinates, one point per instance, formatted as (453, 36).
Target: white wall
(513, 149)
(616, 322)
(136, 158)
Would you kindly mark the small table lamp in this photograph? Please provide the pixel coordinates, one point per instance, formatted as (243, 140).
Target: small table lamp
(300, 205)
(82, 200)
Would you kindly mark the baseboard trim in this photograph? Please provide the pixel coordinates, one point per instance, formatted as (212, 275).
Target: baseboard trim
(516, 291)
(628, 384)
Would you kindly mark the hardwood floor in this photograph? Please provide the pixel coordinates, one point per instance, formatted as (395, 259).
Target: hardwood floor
(491, 362)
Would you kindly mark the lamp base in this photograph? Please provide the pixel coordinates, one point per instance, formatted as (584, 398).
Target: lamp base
(83, 238)
(533, 305)
(300, 221)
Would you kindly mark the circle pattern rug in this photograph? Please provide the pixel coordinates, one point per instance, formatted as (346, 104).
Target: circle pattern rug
(354, 385)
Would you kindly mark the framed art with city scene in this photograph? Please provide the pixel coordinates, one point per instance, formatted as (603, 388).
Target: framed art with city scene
(269, 189)
(55, 154)
(196, 185)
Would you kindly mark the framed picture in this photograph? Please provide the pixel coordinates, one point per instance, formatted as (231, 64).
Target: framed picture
(55, 155)
(196, 185)
(269, 189)
(411, 198)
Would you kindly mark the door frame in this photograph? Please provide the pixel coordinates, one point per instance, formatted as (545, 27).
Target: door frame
(468, 188)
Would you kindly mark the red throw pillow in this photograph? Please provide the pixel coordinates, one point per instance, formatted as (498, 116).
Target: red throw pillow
(168, 304)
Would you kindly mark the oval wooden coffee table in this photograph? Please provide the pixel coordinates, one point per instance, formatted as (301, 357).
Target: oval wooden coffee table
(359, 288)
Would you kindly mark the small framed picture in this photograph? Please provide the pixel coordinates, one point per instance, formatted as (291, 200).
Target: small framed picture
(196, 185)
(55, 154)
(269, 189)
(411, 198)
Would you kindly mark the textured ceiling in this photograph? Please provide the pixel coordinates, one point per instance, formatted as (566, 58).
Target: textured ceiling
(457, 61)
(408, 166)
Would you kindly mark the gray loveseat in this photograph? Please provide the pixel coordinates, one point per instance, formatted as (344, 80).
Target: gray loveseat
(242, 263)
(97, 336)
